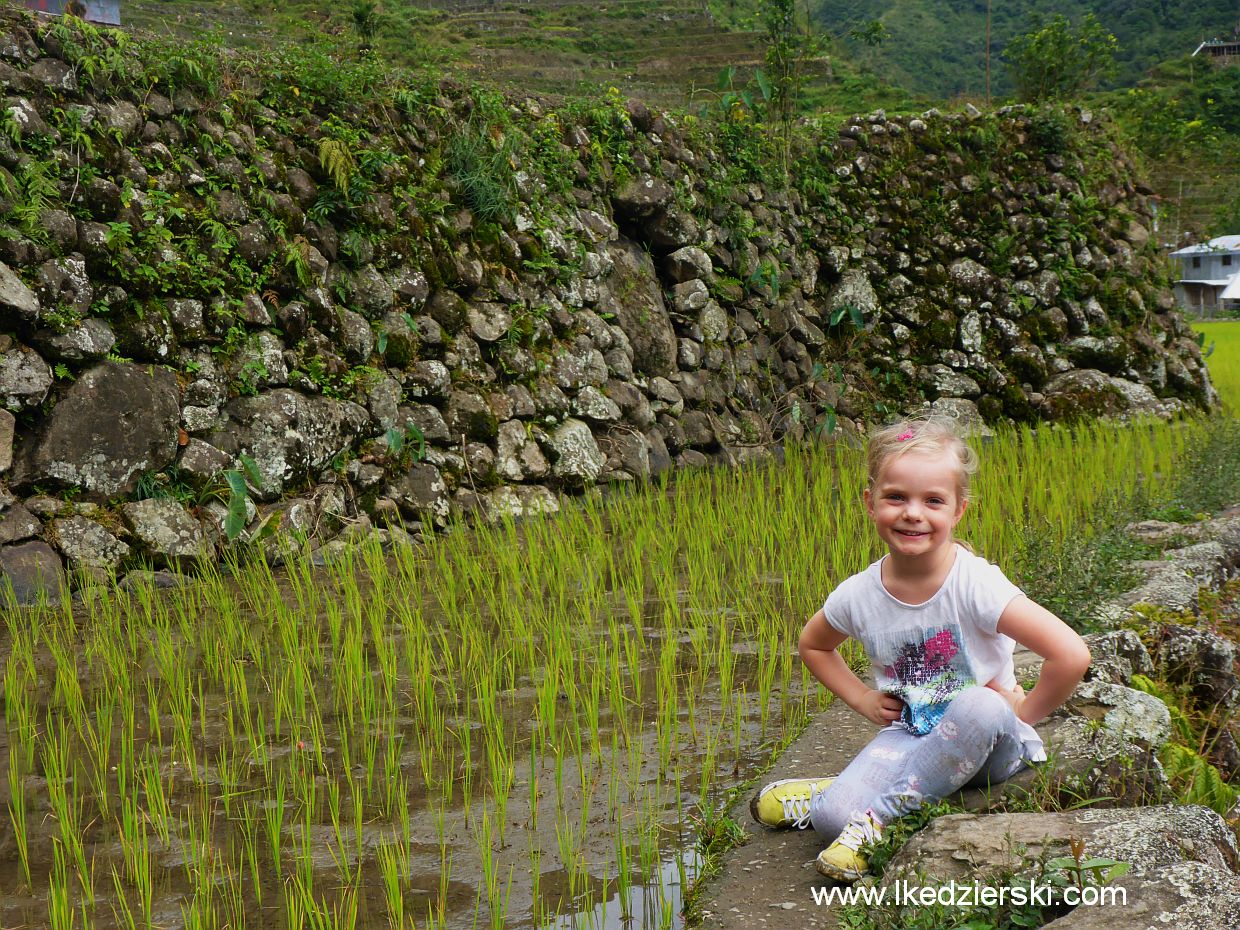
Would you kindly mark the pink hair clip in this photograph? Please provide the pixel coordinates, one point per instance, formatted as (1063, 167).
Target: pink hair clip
(905, 436)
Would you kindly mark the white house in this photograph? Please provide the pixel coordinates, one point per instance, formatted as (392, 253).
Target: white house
(1209, 276)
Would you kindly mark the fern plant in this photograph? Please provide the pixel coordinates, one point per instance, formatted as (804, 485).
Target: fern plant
(337, 160)
(297, 257)
(1196, 781)
(39, 192)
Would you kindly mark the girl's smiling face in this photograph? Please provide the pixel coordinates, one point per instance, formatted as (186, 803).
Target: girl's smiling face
(915, 503)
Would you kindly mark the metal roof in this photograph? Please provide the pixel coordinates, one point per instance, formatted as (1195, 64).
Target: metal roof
(1217, 246)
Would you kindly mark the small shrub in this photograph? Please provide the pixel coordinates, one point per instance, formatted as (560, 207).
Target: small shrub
(1072, 576)
(1049, 130)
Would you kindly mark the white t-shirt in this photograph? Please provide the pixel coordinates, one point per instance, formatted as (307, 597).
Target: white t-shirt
(925, 654)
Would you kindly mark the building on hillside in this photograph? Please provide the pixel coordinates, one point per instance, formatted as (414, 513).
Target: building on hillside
(1221, 51)
(1209, 281)
(105, 12)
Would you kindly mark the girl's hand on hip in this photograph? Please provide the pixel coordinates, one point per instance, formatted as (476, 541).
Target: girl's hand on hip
(879, 707)
(1014, 696)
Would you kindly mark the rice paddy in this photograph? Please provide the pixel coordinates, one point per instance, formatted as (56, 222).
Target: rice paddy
(1222, 341)
(513, 726)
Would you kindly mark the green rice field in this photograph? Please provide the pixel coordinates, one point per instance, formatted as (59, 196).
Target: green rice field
(1224, 336)
(514, 726)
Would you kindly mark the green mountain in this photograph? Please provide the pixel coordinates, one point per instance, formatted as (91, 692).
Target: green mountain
(938, 47)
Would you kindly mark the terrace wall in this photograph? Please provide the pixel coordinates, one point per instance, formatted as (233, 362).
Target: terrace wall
(424, 299)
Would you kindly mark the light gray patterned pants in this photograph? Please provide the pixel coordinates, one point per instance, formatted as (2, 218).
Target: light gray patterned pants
(975, 744)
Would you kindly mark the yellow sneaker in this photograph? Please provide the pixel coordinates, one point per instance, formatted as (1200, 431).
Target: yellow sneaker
(842, 860)
(785, 803)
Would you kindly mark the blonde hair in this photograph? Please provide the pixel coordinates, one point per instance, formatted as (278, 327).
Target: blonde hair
(932, 435)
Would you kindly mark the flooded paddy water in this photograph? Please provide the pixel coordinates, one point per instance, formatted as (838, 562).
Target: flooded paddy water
(513, 726)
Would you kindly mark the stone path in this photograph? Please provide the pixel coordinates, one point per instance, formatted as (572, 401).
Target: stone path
(767, 882)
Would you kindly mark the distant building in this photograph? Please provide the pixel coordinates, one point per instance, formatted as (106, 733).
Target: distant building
(1209, 276)
(1220, 51)
(107, 12)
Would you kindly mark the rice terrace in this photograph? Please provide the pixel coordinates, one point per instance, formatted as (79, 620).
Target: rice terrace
(412, 487)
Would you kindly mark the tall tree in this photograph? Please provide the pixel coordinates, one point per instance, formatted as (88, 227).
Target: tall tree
(790, 45)
(1058, 60)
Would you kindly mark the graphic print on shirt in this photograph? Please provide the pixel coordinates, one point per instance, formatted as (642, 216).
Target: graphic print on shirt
(925, 668)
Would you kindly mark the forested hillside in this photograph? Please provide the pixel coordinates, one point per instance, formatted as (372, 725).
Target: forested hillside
(937, 47)
(1185, 121)
(666, 52)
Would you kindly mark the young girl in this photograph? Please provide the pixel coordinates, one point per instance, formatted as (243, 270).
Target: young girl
(938, 624)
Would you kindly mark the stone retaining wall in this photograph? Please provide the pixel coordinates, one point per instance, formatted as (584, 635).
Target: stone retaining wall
(207, 269)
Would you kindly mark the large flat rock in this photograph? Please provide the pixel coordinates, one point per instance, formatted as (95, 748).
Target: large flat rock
(117, 422)
(962, 847)
(1186, 896)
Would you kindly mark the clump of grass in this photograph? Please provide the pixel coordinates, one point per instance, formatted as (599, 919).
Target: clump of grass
(1210, 477)
(1073, 576)
(482, 169)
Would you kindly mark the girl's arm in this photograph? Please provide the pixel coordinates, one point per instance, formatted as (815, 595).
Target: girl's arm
(1065, 657)
(817, 646)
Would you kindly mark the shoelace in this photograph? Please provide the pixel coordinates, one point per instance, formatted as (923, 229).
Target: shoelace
(859, 831)
(797, 810)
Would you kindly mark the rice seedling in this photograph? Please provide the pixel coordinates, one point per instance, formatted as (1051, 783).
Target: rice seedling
(393, 866)
(66, 803)
(393, 780)
(17, 812)
(232, 911)
(273, 820)
(60, 912)
(249, 836)
(153, 711)
(623, 878)
(96, 735)
(159, 809)
(121, 910)
(136, 853)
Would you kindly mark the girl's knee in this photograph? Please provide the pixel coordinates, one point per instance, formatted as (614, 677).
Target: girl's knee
(981, 701)
(981, 708)
(831, 809)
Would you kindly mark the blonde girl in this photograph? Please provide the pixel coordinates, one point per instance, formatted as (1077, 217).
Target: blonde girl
(939, 625)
